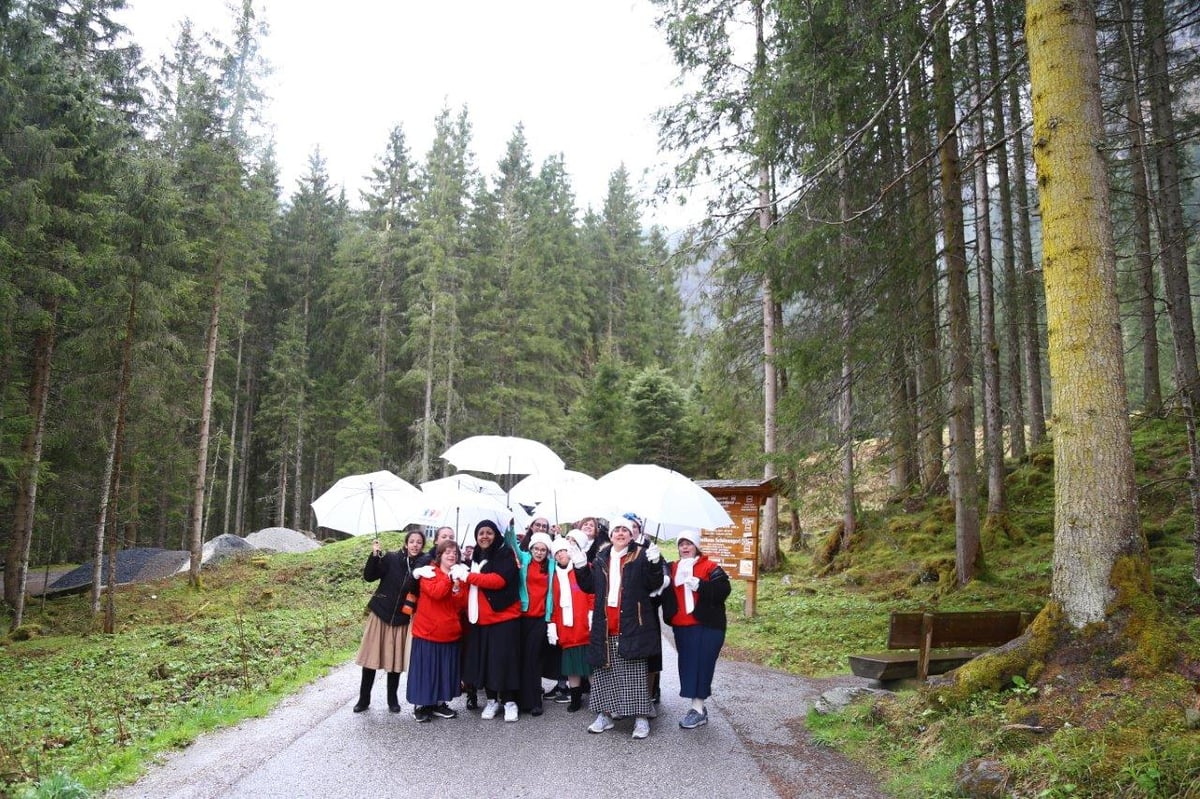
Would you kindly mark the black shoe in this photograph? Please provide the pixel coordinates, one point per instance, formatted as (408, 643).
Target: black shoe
(562, 697)
(537, 710)
(361, 706)
(423, 714)
(394, 708)
(444, 711)
(576, 700)
(553, 693)
(473, 700)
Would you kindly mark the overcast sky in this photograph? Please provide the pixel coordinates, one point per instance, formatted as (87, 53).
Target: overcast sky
(583, 76)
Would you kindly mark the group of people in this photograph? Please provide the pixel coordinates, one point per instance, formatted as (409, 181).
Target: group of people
(581, 609)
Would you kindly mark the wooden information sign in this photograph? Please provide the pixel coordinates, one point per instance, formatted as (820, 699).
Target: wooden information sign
(735, 548)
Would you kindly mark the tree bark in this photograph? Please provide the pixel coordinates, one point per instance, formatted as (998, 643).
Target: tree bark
(1152, 401)
(1173, 238)
(427, 419)
(196, 523)
(16, 565)
(1011, 292)
(1095, 511)
(964, 469)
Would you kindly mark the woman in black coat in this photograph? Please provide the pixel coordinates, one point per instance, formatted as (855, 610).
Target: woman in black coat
(385, 643)
(625, 631)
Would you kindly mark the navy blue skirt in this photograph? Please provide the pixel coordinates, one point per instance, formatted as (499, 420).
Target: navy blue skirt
(698, 647)
(433, 672)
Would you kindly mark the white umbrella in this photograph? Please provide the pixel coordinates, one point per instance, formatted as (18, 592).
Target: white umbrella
(663, 496)
(465, 482)
(574, 502)
(543, 486)
(503, 455)
(460, 508)
(364, 504)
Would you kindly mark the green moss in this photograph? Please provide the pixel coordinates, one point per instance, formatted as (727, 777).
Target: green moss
(1152, 644)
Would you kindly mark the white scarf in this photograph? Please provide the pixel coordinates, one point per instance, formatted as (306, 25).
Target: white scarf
(614, 576)
(473, 596)
(563, 575)
(682, 572)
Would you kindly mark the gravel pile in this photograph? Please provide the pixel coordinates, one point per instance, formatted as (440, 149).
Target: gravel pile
(221, 547)
(137, 565)
(282, 539)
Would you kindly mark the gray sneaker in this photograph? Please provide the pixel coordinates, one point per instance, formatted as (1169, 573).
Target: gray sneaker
(693, 719)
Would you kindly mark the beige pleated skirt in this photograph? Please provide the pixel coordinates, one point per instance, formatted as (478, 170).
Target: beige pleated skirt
(384, 646)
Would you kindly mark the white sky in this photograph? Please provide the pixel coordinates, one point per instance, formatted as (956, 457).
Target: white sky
(584, 76)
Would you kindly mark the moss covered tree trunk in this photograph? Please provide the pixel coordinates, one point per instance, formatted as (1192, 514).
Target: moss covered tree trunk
(1095, 515)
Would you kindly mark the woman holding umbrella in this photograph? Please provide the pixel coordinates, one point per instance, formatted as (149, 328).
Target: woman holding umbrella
(385, 644)
(494, 612)
(625, 631)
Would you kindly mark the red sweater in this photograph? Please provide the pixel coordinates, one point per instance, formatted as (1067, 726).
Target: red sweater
(487, 615)
(537, 583)
(581, 609)
(437, 615)
(701, 569)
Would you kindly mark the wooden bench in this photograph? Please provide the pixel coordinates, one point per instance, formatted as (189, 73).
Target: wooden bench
(934, 641)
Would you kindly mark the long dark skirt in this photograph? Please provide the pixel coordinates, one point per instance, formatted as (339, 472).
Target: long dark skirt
(493, 660)
(533, 661)
(433, 672)
(620, 688)
(698, 648)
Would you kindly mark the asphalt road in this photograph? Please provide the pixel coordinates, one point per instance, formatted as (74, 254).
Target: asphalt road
(312, 745)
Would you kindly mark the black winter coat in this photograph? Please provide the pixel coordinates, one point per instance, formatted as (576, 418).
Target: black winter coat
(640, 635)
(392, 570)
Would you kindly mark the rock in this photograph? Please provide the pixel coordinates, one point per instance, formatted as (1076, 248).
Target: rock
(1191, 718)
(221, 547)
(981, 778)
(835, 699)
(282, 539)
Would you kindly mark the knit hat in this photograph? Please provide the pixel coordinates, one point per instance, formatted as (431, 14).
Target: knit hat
(638, 520)
(690, 535)
(540, 538)
(559, 545)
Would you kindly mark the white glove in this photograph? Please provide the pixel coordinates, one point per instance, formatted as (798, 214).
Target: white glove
(423, 572)
(692, 582)
(459, 572)
(578, 559)
(552, 633)
(653, 554)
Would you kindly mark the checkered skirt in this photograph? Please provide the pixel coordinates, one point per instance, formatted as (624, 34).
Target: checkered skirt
(620, 688)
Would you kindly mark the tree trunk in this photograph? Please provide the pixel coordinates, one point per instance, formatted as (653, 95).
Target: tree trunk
(239, 515)
(196, 523)
(102, 523)
(964, 471)
(1173, 238)
(427, 418)
(1030, 286)
(1152, 401)
(1095, 512)
(993, 421)
(1013, 310)
(769, 541)
(930, 410)
(16, 565)
(846, 400)
(233, 432)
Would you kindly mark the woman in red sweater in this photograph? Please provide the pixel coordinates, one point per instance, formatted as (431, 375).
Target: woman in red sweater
(433, 671)
(568, 628)
(694, 605)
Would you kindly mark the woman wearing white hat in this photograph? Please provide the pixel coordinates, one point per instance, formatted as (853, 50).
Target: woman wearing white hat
(568, 629)
(537, 572)
(695, 607)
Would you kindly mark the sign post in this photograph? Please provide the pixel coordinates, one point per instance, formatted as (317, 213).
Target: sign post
(735, 548)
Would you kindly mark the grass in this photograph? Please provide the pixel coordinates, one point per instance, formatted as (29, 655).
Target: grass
(79, 708)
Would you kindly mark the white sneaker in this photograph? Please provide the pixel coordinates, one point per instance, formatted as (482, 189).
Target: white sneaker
(491, 709)
(510, 711)
(602, 723)
(641, 728)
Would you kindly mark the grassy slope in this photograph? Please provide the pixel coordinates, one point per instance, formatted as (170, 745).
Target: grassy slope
(185, 661)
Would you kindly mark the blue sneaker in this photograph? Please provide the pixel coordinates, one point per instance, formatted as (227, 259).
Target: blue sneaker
(694, 718)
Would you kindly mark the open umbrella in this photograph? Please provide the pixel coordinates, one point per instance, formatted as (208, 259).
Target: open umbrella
(465, 482)
(543, 486)
(503, 455)
(664, 497)
(572, 503)
(364, 504)
(460, 508)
